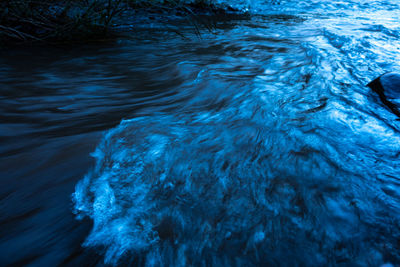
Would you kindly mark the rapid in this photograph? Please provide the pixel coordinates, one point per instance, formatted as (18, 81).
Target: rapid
(255, 144)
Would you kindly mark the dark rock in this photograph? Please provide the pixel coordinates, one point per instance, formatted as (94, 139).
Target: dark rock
(387, 86)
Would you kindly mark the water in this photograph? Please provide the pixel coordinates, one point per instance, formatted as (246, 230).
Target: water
(257, 144)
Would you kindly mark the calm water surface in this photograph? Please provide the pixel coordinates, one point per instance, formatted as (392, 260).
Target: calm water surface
(257, 144)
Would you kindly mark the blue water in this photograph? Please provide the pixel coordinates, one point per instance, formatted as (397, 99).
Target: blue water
(255, 144)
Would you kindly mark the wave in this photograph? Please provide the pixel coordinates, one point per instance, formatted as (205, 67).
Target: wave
(200, 189)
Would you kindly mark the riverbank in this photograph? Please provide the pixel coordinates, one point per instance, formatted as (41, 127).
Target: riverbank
(72, 20)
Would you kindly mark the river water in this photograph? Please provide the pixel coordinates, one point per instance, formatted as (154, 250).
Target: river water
(255, 144)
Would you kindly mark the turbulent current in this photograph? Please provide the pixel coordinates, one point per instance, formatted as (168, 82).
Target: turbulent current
(255, 144)
(268, 150)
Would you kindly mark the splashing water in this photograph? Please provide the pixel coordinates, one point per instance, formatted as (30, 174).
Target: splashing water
(268, 150)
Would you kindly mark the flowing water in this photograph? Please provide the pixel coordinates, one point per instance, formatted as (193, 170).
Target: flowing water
(256, 144)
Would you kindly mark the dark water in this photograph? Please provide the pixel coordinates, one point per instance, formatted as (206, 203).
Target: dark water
(257, 144)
